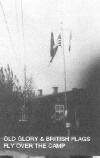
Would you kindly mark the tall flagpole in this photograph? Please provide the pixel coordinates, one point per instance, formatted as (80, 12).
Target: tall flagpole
(65, 80)
(67, 123)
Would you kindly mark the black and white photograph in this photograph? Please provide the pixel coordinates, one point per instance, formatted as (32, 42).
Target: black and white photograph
(50, 77)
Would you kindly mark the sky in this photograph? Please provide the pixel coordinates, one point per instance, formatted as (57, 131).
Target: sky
(40, 18)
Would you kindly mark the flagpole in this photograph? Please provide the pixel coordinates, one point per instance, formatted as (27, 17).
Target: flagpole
(65, 80)
(67, 122)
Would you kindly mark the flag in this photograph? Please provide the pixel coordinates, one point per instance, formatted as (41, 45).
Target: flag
(70, 38)
(59, 40)
(53, 46)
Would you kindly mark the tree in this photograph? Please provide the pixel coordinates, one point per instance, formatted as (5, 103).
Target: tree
(8, 81)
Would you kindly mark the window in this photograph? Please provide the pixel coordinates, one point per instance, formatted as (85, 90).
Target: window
(59, 108)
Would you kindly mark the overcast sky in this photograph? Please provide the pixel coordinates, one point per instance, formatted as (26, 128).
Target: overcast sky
(40, 18)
